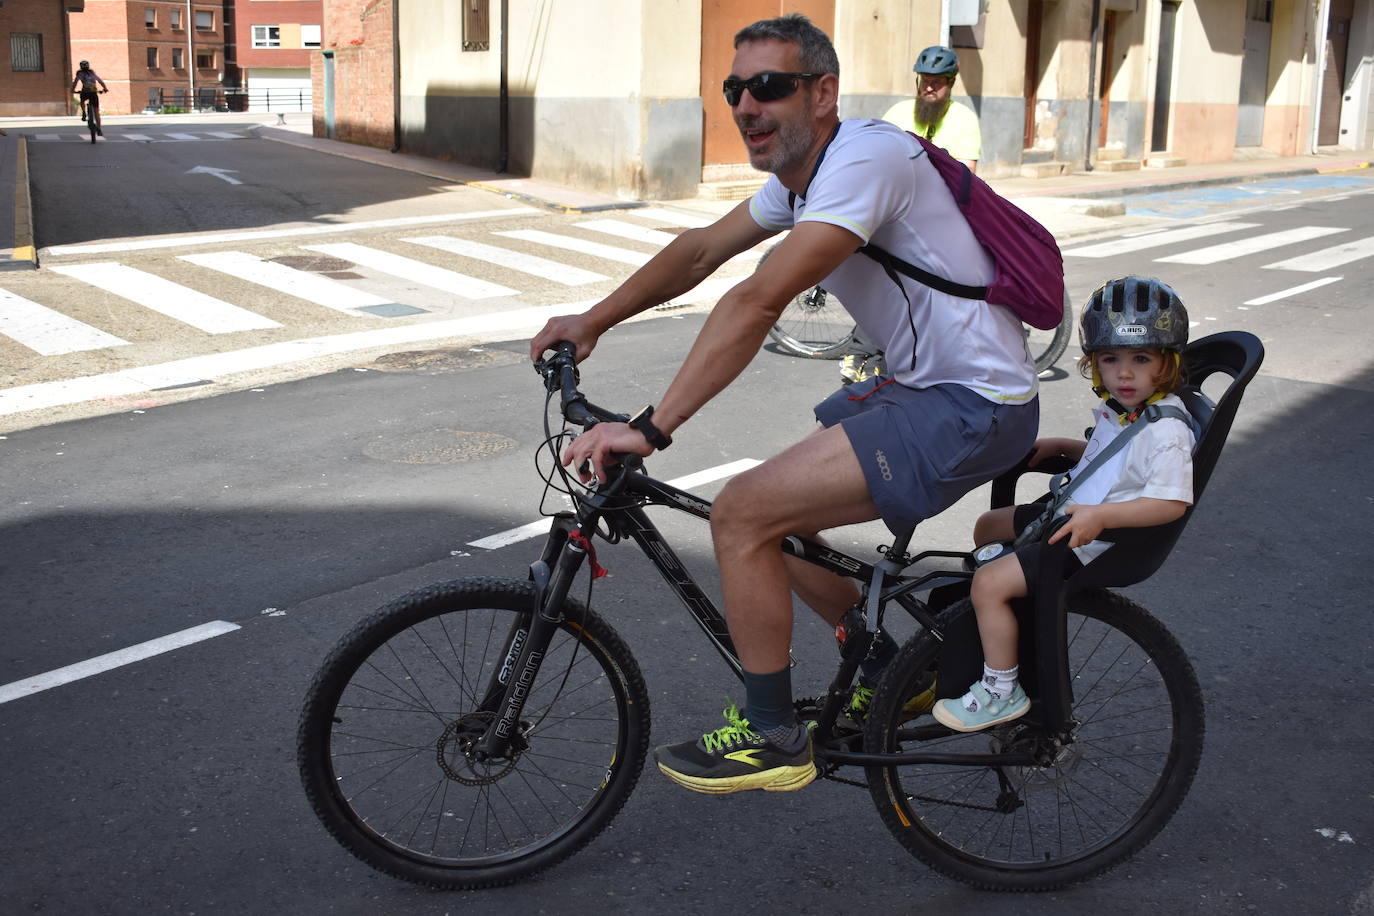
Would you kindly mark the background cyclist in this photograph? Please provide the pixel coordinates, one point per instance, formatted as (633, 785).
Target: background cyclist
(934, 114)
(87, 80)
(960, 409)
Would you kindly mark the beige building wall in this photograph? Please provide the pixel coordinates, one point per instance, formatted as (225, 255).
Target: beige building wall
(1206, 82)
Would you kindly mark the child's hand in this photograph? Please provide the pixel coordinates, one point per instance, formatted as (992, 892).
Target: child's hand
(1084, 525)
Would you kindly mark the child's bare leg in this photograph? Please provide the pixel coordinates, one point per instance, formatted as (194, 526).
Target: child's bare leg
(994, 586)
(994, 525)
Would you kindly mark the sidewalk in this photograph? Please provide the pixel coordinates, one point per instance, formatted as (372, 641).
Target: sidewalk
(1068, 205)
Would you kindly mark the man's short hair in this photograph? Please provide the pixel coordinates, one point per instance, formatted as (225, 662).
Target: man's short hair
(815, 52)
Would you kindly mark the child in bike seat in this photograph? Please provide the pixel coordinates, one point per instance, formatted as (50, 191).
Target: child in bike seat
(1132, 332)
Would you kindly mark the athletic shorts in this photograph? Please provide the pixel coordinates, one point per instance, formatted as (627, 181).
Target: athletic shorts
(1029, 555)
(922, 449)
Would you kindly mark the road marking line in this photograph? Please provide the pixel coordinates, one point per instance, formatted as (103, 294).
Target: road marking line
(48, 332)
(1252, 245)
(595, 249)
(216, 365)
(1155, 240)
(47, 136)
(1327, 258)
(225, 134)
(111, 660)
(186, 305)
(672, 217)
(624, 230)
(298, 283)
(181, 136)
(143, 137)
(448, 281)
(512, 260)
(1284, 294)
(222, 238)
(541, 526)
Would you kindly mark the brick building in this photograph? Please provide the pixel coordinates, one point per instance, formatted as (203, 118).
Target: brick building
(358, 69)
(34, 68)
(141, 47)
(274, 41)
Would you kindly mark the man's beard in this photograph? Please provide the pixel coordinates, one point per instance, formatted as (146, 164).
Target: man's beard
(930, 112)
(791, 144)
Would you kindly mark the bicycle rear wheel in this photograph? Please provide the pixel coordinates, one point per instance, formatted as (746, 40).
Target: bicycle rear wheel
(1047, 346)
(1097, 800)
(389, 722)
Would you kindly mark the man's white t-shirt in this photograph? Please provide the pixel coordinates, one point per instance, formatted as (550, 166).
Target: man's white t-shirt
(1158, 464)
(876, 181)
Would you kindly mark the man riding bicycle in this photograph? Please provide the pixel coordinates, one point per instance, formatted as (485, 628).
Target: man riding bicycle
(87, 79)
(958, 408)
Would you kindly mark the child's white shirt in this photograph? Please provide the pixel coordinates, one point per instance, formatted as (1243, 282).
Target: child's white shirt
(1158, 464)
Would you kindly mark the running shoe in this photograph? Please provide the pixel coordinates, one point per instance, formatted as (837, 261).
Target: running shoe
(862, 698)
(736, 758)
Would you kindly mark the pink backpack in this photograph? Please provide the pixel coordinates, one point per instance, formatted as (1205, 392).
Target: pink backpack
(1029, 276)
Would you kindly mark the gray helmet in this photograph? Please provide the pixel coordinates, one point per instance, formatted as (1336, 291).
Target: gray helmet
(937, 60)
(85, 64)
(1133, 312)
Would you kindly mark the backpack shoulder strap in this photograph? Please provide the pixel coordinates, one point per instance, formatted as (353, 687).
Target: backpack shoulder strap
(1151, 414)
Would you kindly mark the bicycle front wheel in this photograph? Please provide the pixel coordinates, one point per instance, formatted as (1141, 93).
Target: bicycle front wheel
(1047, 346)
(386, 738)
(1096, 800)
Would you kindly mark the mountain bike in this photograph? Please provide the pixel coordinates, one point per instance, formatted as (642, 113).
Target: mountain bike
(474, 732)
(815, 325)
(91, 114)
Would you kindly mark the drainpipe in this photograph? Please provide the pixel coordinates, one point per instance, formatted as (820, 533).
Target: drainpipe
(395, 76)
(504, 103)
(191, 54)
(1092, 84)
(944, 22)
(67, 58)
(1319, 36)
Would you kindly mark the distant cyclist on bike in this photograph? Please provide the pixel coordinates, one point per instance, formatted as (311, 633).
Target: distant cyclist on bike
(87, 80)
(934, 114)
(959, 409)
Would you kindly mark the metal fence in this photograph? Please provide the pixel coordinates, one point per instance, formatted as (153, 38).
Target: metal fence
(215, 98)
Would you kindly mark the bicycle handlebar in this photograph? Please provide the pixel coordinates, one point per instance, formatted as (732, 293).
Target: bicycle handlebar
(560, 375)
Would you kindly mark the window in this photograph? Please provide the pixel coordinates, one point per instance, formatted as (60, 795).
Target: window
(152, 58)
(176, 18)
(205, 61)
(205, 20)
(26, 52)
(150, 18)
(476, 25)
(310, 36)
(268, 36)
(178, 58)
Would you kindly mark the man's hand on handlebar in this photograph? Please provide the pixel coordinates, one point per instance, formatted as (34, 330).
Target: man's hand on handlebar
(593, 451)
(574, 328)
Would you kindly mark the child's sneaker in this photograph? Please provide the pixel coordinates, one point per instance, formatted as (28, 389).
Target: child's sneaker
(989, 709)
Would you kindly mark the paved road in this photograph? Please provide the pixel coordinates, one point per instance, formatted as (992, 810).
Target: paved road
(290, 511)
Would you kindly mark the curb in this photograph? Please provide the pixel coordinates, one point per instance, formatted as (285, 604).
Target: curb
(23, 255)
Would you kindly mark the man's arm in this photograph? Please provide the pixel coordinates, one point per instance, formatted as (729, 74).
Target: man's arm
(730, 338)
(686, 261)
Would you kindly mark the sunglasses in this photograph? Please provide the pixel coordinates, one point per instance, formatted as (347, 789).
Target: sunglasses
(764, 87)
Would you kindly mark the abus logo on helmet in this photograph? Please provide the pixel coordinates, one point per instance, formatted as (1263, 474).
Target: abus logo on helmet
(1131, 330)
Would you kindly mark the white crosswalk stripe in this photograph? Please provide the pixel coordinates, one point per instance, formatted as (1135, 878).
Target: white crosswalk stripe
(556, 271)
(48, 332)
(182, 136)
(439, 278)
(1327, 258)
(672, 217)
(298, 283)
(582, 246)
(1253, 245)
(630, 231)
(181, 303)
(141, 137)
(1150, 240)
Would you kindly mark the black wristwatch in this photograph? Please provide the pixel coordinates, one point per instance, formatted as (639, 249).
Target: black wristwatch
(643, 421)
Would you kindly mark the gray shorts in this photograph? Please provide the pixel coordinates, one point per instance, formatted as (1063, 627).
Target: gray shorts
(922, 449)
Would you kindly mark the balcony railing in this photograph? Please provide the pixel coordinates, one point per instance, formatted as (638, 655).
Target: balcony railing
(216, 98)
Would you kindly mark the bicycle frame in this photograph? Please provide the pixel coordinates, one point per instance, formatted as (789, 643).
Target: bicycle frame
(621, 504)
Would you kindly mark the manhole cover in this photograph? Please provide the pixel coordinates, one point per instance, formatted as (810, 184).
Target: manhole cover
(439, 446)
(313, 262)
(450, 360)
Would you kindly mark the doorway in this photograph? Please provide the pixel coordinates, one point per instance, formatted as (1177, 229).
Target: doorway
(1168, 21)
(1254, 72)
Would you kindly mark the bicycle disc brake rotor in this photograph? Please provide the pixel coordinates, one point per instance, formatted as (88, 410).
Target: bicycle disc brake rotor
(1061, 759)
(455, 749)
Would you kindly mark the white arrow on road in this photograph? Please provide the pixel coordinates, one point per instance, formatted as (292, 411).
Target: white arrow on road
(218, 173)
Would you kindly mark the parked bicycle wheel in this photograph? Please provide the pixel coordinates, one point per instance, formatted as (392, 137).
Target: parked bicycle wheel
(1135, 747)
(1047, 346)
(386, 737)
(813, 324)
